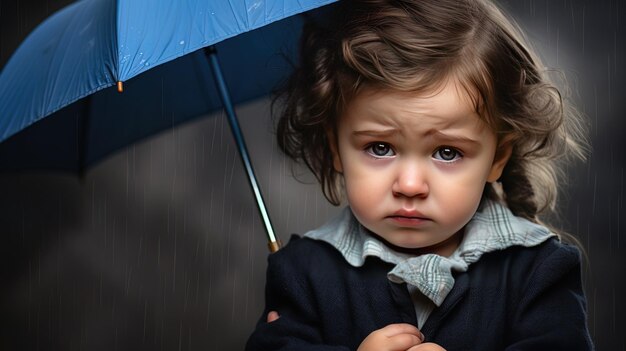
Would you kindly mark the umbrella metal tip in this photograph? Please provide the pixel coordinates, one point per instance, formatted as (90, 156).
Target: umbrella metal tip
(120, 87)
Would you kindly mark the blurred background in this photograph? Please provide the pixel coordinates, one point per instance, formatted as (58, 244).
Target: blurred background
(160, 246)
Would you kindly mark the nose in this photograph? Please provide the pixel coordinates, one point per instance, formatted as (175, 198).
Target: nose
(411, 181)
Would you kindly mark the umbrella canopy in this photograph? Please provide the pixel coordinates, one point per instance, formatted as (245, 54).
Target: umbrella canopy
(93, 44)
(60, 72)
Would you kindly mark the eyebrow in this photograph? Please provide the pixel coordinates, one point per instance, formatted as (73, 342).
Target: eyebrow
(376, 133)
(452, 138)
(434, 133)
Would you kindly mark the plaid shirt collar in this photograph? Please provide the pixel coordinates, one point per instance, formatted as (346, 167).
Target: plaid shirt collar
(492, 228)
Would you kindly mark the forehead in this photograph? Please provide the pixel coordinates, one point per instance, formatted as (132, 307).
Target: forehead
(443, 107)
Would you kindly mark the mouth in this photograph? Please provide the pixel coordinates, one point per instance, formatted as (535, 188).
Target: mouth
(408, 218)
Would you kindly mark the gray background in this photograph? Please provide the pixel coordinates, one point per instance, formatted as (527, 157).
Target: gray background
(160, 247)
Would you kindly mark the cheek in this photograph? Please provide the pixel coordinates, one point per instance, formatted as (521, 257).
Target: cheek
(360, 203)
(468, 186)
(356, 184)
(364, 188)
(473, 174)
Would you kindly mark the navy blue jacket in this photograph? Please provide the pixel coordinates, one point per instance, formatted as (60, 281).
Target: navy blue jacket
(516, 299)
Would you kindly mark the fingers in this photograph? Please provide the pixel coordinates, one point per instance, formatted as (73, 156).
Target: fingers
(394, 337)
(428, 346)
(272, 316)
(402, 336)
(402, 342)
(401, 328)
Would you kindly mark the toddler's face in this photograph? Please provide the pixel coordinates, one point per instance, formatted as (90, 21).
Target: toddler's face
(415, 165)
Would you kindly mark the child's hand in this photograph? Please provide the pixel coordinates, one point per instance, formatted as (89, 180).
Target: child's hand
(427, 346)
(272, 316)
(396, 331)
(394, 337)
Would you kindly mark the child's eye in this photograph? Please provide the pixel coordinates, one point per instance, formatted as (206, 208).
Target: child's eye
(380, 150)
(447, 154)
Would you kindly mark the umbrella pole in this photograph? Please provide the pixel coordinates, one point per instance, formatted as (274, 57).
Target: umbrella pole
(211, 53)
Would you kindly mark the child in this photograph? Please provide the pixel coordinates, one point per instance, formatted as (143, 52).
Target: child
(436, 121)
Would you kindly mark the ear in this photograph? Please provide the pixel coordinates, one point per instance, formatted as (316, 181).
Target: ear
(503, 154)
(332, 143)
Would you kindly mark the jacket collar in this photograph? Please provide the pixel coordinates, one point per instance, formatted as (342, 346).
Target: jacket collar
(493, 227)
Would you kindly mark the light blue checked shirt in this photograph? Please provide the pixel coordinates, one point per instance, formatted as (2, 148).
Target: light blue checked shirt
(429, 277)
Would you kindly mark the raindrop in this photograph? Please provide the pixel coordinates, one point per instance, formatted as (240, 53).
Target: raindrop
(255, 6)
(181, 42)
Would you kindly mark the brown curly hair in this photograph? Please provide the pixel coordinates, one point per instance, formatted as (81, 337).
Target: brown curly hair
(411, 45)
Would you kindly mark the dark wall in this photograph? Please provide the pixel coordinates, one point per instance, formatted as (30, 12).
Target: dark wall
(585, 39)
(160, 247)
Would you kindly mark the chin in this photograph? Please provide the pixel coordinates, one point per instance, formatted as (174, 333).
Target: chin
(408, 245)
(405, 246)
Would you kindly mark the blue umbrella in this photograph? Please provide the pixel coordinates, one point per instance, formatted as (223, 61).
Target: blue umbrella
(60, 101)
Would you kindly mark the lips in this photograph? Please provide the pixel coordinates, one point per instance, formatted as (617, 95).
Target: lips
(408, 218)
(409, 214)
